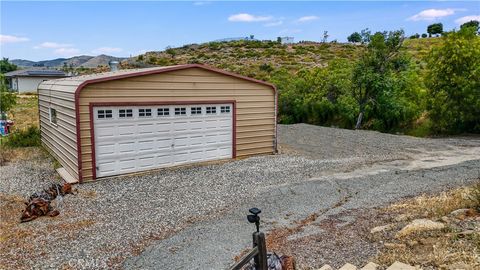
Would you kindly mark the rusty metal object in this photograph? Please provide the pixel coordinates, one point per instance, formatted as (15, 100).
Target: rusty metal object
(39, 203)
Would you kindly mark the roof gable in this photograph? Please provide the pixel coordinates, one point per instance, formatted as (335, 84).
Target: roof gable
(75, 84)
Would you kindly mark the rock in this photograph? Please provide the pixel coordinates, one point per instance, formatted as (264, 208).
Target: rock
(370, 266)
(420, 225)
(395, 246)
(463, 213)
(326, 267)
(459, 212)
(445, 219)
(382, 228)
(400, 266)
(348, 266)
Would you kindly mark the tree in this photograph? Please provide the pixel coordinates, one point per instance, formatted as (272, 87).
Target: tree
(6, 66)
(372, 74)
(424, 35)
(435, 29)
(453, 81)
(170, 51)
(7, 98)
(414, 36)
(325, 36)
(474, 24)
(355, 37)
(366, 35)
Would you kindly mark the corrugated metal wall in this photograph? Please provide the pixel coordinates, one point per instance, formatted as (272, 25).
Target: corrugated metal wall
(60, 139)
(255, 104)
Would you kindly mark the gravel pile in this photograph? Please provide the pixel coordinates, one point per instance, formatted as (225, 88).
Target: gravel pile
(112, 219)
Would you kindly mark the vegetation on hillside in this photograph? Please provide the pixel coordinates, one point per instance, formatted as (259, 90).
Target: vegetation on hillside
(379, 81)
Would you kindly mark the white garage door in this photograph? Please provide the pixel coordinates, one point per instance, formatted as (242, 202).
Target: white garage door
(138, 138)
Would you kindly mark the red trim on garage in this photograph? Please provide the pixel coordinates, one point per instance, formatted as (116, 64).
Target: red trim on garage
(159, 103)
(92, 142)
(149, 72)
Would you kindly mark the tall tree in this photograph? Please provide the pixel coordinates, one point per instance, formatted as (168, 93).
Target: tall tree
(366, 35)
(372, 73)
(6, 66)
(435, 29)
(325, 36)
(355, 37)
(453, 82)
(474, 24)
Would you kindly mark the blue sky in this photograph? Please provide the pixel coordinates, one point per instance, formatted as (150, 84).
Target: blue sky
(46, 30)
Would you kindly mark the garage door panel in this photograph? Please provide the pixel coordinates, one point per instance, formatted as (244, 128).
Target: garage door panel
(147, 162)
(106, 149)
(134, 143)
(107, 131)
(126, 130)
(127, 149)
(146, 145)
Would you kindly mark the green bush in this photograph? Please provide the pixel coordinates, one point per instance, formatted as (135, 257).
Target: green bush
(24, 138)
(453, 81)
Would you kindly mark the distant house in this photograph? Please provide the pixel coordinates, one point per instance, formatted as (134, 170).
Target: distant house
(27, 80)
(286, 40)
(249, 38)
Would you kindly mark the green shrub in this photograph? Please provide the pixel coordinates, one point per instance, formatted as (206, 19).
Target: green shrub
(24, 138)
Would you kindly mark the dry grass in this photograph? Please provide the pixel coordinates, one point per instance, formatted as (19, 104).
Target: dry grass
(8, 154)
(451, 248)
(439, 252)
(439, 205)
(25, 113)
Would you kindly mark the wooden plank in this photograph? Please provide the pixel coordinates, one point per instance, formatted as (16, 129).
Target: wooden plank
(66, 176)
(245, 259)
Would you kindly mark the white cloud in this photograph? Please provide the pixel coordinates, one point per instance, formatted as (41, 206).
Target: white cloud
(107, 50)
(12, 39)
(53, 45)
(465, 19)
(66, 51)
(307, 19)
(245, 17)
(432, 14)
(62, 49)
(276, 23)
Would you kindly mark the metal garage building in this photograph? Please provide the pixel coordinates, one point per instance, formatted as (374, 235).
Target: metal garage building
(129, 121)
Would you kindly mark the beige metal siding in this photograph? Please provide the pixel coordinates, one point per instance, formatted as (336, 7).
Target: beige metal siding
(255, 126)
(61, 139)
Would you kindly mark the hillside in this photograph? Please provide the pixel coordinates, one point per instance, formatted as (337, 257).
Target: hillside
(255, 58)
(76, 61)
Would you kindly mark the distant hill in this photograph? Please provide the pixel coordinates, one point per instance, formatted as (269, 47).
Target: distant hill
(100, 60)
(259, 58)
(76, 61)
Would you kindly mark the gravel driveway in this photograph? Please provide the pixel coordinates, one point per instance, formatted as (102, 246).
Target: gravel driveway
(194, 217)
